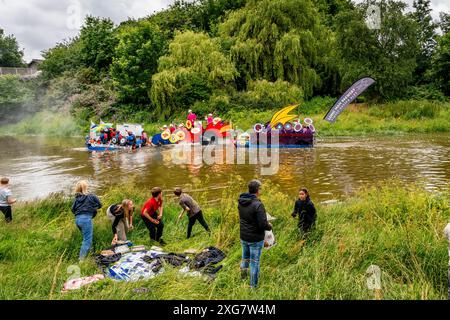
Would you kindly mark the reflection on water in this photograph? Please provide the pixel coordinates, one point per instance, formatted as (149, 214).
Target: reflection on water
(331, 170)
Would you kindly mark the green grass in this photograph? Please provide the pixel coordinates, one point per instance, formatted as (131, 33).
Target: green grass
(45, 123)
(395, 226)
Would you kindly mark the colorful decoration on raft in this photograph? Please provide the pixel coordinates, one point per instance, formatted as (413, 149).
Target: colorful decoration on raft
(192, 132)
(283, 116)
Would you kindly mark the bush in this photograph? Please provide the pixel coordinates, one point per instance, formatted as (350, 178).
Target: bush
(410, 109)
(264, 95)
(425, 92)
(317, 105)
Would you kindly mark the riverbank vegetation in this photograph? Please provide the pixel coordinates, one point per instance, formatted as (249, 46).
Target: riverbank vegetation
(394, 226)
(410, 116)
(248, 57)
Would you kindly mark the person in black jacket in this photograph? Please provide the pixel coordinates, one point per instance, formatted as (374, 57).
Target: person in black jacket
(253, 224)
(85, 208)
(305, 210)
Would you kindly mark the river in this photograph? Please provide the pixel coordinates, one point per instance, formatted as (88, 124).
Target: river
(332, 170)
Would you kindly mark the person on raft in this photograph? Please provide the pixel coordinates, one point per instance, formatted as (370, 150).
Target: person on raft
(305, 210)
(172, 128)
(152, 213)
(209, 119)
(121, 216)
(104, 136)
(191, 116)
(163, 128)
(131, 140)
(85, 209)
(253, 224)
(6, 200)
(144, 138)
(193, 210)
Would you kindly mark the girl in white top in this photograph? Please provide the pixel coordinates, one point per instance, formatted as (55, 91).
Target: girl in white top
(6, 199)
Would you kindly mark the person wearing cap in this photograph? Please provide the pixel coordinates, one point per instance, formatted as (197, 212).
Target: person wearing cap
(209, 119)
(172, 128)
(193, 210)
(191, 116)
(164, 127)
(6, 199)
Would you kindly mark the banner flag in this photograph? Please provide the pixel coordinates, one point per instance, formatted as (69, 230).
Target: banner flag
(354, 91)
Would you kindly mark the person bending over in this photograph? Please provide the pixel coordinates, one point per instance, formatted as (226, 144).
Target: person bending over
(193, 210)
(152, 213)
(121, 216)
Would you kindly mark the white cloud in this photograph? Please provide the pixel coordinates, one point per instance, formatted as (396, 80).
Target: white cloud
(40, 24)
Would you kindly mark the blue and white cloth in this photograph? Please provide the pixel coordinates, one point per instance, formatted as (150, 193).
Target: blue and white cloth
(131, 267)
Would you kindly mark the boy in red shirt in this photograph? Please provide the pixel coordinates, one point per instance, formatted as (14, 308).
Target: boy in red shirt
(152, 213)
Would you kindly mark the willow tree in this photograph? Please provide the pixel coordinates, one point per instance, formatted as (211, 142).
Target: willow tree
(278, 40)
(193, 69)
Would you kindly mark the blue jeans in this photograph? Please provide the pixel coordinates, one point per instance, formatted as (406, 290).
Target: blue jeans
(84, 224)
(251, 254)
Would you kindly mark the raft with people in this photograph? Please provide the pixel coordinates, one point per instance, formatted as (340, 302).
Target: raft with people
(290, 132)
(193, 132)
(104, 137)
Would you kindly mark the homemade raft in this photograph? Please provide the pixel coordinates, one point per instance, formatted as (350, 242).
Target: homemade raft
(290, 131)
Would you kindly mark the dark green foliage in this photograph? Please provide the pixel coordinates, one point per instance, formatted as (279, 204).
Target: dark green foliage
(63, 57)
(426, 37)
(278, 40)
(409, 109)
(10, 53)
(193, 66)
(425, 92)
(136, 60)
(388, 53)
(202, 15)
(98, 41)
(317, 105)
(440, 71)
(444, 23)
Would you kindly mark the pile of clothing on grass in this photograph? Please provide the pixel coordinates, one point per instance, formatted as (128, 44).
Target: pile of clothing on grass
(126, 262)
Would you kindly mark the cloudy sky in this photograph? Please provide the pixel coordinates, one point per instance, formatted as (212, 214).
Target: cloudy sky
(40, 24)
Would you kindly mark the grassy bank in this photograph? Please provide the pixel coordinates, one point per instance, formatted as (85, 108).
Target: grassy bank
(361, 119)
(45, 123)
(397, 227)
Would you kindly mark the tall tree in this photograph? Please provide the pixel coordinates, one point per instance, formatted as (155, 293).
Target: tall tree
(192, 70)
(65, 56)
(387, 53)
(98, 42)
(426, 37)
(10, 54)
(441, 64)
(444, 22)
(277, 40)
(136, 60)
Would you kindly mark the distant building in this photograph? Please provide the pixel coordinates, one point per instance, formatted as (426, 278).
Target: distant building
(33, 65)
(24, 73)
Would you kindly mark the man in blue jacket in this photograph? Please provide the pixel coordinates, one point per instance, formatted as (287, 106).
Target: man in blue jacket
(253, 224)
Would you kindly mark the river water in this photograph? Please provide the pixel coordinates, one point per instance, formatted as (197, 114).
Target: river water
(332, 170)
